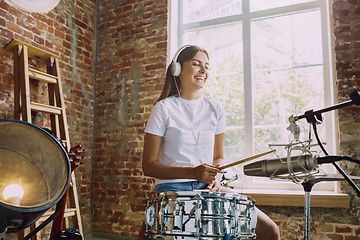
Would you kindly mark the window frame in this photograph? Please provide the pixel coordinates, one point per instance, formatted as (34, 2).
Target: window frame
(176, 31)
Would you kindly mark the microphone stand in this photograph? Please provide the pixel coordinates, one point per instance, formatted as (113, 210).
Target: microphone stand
(307, 188)
(314, 117)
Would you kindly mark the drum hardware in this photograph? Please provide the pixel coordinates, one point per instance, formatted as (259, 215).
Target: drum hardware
(191, 213)
(200, 215)
(225, 181)
(166, 211)
(162, 212)
(235, 213)
(178, 219)
(149, 215)
(197, 207)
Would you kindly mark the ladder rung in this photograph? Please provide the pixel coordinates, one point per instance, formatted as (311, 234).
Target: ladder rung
(38, 107)
(39, 75)
(68, 213)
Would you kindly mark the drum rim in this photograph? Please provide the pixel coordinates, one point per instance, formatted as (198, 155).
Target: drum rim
(205, 194)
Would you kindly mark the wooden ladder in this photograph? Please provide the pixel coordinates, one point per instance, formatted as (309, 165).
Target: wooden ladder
(56, 108)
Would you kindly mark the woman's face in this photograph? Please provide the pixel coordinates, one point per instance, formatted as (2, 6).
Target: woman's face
(194, 72)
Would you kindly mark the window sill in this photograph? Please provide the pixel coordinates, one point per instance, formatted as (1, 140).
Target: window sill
(293, 198)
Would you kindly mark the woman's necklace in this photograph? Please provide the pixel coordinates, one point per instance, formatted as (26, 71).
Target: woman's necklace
(197, 140)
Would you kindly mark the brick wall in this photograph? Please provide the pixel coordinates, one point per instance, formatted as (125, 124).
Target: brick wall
(347, 55)
(131, 59)
(132, 47)
(69, 32)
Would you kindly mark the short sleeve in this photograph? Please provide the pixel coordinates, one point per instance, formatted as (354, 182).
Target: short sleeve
(157, 121)
(221, 125)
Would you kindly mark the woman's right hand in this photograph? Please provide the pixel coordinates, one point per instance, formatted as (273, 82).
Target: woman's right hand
(206, 173)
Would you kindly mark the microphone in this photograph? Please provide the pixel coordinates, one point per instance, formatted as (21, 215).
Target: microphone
(279, 166)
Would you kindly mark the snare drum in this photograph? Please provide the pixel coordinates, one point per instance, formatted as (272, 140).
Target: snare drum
(208, 215)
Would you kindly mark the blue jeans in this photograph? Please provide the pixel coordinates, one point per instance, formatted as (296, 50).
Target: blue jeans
(180, 186)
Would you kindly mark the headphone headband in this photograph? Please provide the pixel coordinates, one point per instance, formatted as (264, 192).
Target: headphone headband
(179, 51)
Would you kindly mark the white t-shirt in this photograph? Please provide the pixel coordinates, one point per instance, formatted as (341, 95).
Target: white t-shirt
(169, 120)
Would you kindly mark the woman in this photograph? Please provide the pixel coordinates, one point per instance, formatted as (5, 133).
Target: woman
(185, 134)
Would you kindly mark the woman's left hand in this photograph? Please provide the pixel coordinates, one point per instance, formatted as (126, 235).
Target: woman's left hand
(214, 186)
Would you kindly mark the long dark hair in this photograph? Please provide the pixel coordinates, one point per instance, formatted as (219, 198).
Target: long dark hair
(169, 88)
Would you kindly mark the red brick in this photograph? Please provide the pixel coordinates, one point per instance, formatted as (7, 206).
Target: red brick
(2, 22)
(343, 47)
(343, 66)
(342, 30)
(335, 237)
(356, 55)
(341, 5)
(4, 6)
(41, 26)
(39, 40)
(345, 56)
(343, 229)
(6, 33)
(59, 34)
(352, 238)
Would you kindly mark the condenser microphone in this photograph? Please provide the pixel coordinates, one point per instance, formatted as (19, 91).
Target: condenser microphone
(279, 166)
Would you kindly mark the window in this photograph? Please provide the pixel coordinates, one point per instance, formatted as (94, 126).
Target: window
(268, 60)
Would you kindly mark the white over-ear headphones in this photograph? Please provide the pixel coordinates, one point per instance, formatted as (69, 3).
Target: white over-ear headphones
(176, 66)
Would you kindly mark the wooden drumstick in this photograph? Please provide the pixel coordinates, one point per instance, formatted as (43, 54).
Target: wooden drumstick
(245, 160)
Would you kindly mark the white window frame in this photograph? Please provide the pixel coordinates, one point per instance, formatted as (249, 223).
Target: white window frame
(176, 31)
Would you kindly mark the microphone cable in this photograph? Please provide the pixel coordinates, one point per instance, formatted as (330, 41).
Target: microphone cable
(341, 171)
(331, 159)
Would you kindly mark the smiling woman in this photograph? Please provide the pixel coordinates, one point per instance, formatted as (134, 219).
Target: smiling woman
(183, 145)
(39, 6)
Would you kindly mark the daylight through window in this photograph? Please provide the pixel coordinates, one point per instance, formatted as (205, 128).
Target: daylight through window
(268, 60)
